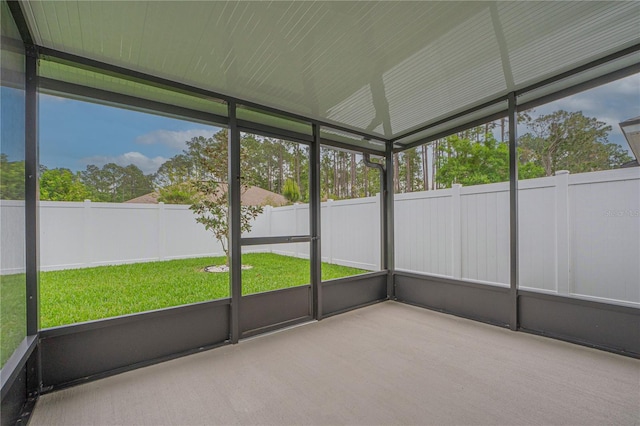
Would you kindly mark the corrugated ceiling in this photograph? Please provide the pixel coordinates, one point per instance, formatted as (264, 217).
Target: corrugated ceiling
(384, 68)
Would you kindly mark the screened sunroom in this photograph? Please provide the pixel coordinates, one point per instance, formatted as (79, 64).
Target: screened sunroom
(320, 212)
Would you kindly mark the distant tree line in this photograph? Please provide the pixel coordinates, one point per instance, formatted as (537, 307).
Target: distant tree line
(557, 141)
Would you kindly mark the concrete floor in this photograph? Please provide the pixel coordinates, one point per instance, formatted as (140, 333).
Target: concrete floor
(385, 364)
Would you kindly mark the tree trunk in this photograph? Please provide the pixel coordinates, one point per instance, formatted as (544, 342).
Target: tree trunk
(434, 164)
(425, 169)
(335, 174)
(297, 165)
(396, 173)
(281, 168)
(407, 178)
(365, 172)
(353, 175)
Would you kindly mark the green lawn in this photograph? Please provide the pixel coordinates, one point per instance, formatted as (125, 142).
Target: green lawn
(13, 313)
(77, 295)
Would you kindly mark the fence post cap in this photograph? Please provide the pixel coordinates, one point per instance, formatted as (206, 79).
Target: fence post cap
(87, 201)
(456, 185)
(561, 172)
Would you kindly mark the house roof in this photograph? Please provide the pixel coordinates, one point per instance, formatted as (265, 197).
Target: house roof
(253, 196)
(399, 72)
(631, 130)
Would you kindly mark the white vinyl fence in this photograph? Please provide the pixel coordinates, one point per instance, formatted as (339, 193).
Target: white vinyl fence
(350, 231)
(85, 234)
(12, 237)
(579, 234)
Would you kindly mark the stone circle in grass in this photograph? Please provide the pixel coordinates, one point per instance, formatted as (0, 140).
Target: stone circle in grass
(223, 268)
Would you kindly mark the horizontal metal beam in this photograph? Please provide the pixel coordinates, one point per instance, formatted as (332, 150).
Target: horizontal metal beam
(12, 45)
(581, 87)
(83, 352)
(255, 241)
(342, 146)
(345, 294)
(444, 120)
(274, 132)
(270, 310)
(151, 80)
(16, 362)
(77, 91)
(582, 68)
(453, 130)
(605, 326)
(480, 302)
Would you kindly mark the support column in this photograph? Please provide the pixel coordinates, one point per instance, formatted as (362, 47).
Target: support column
(32, 218)
(513, 212)
(235, 250)
(32, 191)
(387, 221)
(315, 218)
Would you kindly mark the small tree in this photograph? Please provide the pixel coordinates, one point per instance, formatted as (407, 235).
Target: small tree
(291, 190)
(62, 185)
(211, 191)
(468, 162)
(179, 193)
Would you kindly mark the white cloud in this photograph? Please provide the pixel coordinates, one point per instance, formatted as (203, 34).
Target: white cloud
(581, 102)
(628, 86)
(146, 164)
(616, 101)
(172, 138)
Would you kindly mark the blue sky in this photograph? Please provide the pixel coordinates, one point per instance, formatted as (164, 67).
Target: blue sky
(612, 103)
(74, 134)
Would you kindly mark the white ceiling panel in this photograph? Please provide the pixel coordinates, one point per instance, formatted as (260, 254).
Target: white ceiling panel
(384, 68)
(556, 36)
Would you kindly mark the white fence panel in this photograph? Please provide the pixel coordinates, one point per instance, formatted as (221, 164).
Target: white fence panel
(537, 234)
(484, 232)
(604, 211)
(12, 249)
(182, 237)
(423, 232)
(351, 232)
(123, 233)
(63, 226)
